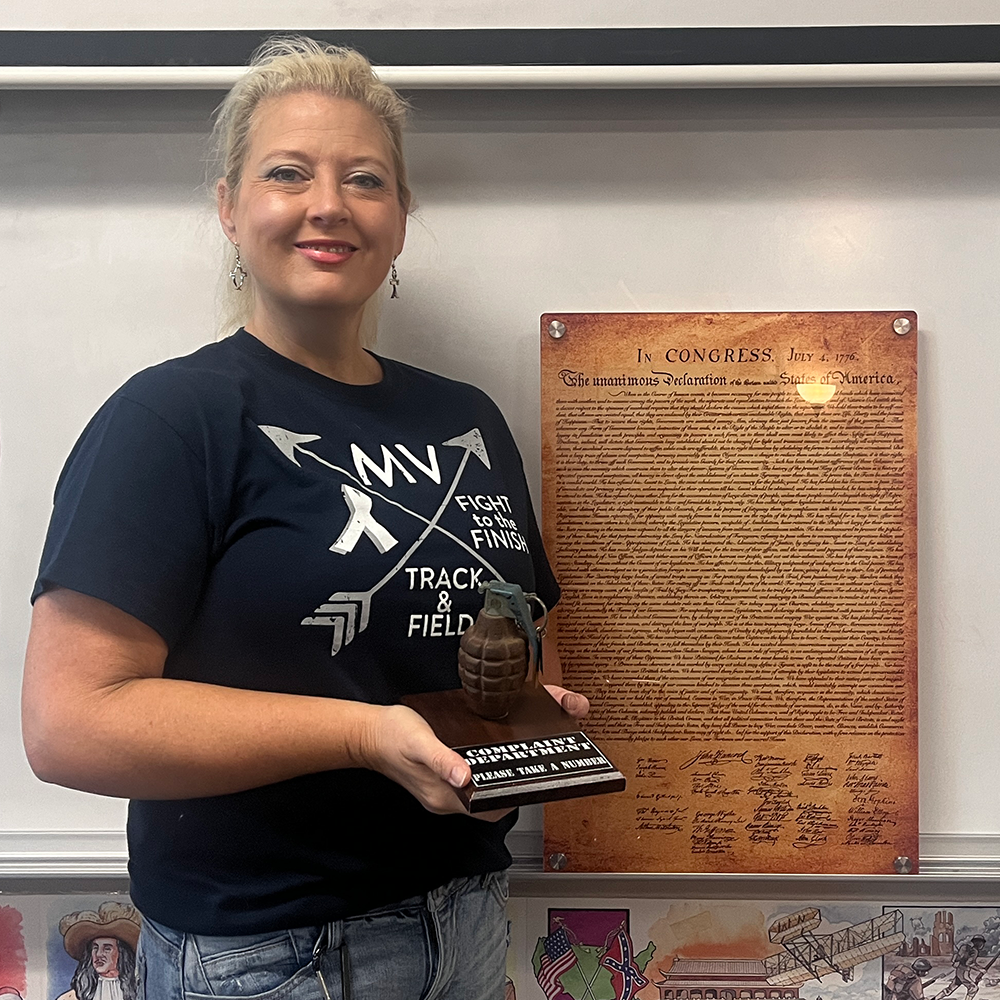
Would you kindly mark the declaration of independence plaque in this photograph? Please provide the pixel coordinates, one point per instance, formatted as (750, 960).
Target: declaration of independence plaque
(730, 504)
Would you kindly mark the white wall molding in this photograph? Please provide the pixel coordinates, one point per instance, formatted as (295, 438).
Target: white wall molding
(970, 862)
(944, 855)
(951, 74)
(960, 854)
(894, 890)
(76, 854)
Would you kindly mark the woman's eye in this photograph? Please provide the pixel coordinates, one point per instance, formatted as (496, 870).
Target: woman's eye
(284, 174)
(367, 181)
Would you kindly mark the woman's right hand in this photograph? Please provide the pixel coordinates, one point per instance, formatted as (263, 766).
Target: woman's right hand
(98, 715)
(402, 746)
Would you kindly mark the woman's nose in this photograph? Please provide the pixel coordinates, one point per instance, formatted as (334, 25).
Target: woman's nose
(328, 205)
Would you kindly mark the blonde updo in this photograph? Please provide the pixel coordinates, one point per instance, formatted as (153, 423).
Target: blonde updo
(285, 65)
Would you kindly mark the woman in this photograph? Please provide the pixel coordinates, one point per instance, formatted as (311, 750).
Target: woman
(255, 552)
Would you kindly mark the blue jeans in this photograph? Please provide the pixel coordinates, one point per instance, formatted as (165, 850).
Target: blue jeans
(448, 945)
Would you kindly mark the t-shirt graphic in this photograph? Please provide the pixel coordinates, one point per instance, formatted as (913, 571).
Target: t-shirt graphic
(349, 612)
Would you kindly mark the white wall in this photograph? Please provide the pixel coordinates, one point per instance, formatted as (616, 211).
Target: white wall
(533, 203)
(305, 14)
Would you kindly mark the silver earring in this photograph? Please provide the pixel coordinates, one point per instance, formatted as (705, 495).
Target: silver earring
(394, 281)
(237, 275)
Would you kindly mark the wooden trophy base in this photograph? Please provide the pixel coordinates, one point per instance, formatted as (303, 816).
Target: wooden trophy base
(536, 754)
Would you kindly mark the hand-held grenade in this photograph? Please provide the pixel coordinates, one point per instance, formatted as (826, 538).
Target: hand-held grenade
(493, 656)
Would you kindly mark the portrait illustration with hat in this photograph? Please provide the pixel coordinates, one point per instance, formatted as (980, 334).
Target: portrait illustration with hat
(103, 943)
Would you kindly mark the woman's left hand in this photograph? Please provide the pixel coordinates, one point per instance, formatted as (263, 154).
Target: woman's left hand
(572, 702)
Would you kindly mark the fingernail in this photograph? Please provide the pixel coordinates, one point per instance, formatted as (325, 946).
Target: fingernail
(457, 776)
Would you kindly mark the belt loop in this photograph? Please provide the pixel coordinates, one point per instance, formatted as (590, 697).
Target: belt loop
(437, 896)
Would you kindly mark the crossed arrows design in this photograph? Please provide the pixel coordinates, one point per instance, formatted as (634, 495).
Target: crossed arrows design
(348, 612)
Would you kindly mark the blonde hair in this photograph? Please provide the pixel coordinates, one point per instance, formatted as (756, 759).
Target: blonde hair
(290, 64)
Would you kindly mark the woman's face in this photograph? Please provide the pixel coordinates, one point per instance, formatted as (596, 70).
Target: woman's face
(317, 214)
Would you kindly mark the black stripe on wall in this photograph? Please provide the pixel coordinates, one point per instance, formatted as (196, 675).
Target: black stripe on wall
(525, 46)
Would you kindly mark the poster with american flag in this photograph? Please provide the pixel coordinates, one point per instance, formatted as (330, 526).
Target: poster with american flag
(576, 945)
(655, 948)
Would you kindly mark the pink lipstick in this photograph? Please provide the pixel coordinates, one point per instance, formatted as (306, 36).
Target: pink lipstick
(326, 251)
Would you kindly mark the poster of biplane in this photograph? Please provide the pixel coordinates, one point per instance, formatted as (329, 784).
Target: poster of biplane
(573, 949)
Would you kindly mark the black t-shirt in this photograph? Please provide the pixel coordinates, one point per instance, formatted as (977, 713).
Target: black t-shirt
(286, 532)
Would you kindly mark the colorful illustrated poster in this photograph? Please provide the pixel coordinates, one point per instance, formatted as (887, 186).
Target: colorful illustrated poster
(730, 505)
(13, 954)
(579, 949)
(91, 949)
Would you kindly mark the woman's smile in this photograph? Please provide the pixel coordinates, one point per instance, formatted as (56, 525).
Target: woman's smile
(326, 251)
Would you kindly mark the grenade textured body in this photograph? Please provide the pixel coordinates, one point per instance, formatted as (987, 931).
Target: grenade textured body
(492, 665)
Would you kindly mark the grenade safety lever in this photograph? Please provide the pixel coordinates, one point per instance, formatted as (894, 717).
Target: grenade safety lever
(510, 601)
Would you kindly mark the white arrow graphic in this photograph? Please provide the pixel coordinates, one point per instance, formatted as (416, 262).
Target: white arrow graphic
(348, 612)
(288, 442)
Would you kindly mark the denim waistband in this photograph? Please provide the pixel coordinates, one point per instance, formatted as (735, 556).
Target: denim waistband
(432, 900)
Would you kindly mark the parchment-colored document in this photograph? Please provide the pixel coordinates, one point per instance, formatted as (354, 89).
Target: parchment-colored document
(730, 504)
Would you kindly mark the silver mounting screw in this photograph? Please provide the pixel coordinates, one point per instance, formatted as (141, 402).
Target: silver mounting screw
(902, 326)
(903, 864)
(557, 862)
(557, 331)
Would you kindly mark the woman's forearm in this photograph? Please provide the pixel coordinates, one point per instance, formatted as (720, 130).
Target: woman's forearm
(99, 716)
(156, 738)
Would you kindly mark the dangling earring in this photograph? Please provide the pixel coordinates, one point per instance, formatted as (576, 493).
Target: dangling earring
(237, 275)
(394, 281)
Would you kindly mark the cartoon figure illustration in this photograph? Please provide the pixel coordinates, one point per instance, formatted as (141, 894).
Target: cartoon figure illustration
(967, 970)
(9, 991)
(905, 981)
(103, 943)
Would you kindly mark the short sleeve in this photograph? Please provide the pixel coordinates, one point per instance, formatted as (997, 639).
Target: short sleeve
(546, 585)
(130, 523)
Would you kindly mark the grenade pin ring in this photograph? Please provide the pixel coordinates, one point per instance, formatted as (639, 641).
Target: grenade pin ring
(544, 627)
